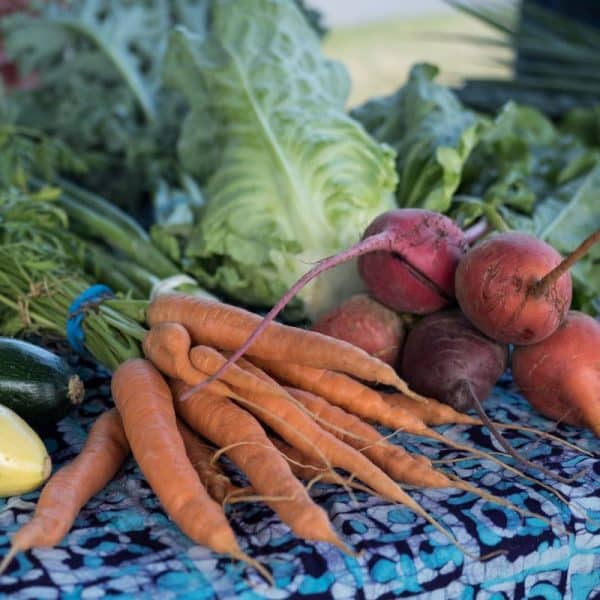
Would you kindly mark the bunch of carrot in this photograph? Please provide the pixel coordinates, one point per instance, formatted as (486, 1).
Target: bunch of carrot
(296, 408)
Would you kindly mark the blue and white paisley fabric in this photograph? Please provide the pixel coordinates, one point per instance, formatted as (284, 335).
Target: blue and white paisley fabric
(124, 546)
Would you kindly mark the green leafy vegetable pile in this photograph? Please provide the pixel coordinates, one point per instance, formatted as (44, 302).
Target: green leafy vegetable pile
(517, 169)
(289, 176)
(222, 125)
(97, 66)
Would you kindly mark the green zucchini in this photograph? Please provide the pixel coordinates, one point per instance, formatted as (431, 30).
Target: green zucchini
(35, 383)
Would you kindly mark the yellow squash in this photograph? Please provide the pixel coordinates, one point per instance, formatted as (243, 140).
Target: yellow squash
(24, 461)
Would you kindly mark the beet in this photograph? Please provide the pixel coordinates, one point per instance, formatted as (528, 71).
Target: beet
(366, 323)
(415, 254)
(412, 270)
(443, 349)
(444, 356)
(516, 288)
(560, 376)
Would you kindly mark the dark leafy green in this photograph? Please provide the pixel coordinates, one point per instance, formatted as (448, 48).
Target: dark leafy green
(432, 133)
(98, 66)
(517, 169)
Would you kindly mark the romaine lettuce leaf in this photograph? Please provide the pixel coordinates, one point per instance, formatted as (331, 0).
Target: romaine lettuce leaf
(289, 177)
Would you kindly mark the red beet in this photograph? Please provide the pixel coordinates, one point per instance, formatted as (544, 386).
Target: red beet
(414, 270)
(444, 349)
(560, 376)
(444, 356)
(367, 324)
(415, 253)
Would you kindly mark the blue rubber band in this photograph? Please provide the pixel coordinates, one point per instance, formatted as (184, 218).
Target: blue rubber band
(77, 311)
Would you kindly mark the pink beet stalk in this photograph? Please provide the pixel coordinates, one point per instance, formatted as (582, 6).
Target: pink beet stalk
(408, 258)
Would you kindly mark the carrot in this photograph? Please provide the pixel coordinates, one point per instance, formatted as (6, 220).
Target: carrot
(208, 360)
(360, 435)
(430, 411)
(345, 392)
(433, 412)
(167, 346)
(303, 467)
(70, 488)
(243, 439)
(319, 445)
(217, 484)
(299, 430)
(228, 327)
(358, 399)
(395, 461)
(146, 407)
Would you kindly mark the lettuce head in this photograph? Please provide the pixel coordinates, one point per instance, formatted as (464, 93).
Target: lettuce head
(287, 175)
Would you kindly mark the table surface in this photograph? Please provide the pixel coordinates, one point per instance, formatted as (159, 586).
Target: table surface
(124, 546)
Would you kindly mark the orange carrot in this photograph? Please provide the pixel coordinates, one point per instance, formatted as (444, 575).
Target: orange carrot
(243, 439)
(217, 484)
(395, 461)
(299, 430)
(430, 411)
(317, 444)
(167, 346)
(227, 327)
(303, 467)
(146, 407)
(208, 360)
(345, 392)
(70, 488)
(358, 399)
(309, 469)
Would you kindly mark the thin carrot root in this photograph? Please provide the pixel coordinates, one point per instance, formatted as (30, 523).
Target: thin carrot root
(252, 562)
(543, 434)
(507, 467)
(13, 551)
(303, 467)
(467, 487)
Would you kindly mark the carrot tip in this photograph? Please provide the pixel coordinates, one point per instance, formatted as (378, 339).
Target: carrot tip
(402, 386)
(8, 559)
(335, 541)
(262, 570)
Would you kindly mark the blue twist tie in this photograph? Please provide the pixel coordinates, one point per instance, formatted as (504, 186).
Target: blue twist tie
(92, 296)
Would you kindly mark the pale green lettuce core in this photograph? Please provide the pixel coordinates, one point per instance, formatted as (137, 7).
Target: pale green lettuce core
(289, 177)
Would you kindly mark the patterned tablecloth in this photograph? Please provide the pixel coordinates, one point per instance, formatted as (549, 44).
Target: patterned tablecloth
(123, 545)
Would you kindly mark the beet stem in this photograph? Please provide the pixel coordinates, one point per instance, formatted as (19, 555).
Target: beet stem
(380, 241)
(476, 231)
(539, 289)
(463, 387)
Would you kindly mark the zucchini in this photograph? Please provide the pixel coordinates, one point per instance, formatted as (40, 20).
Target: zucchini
(35, 383)
(24, 460)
